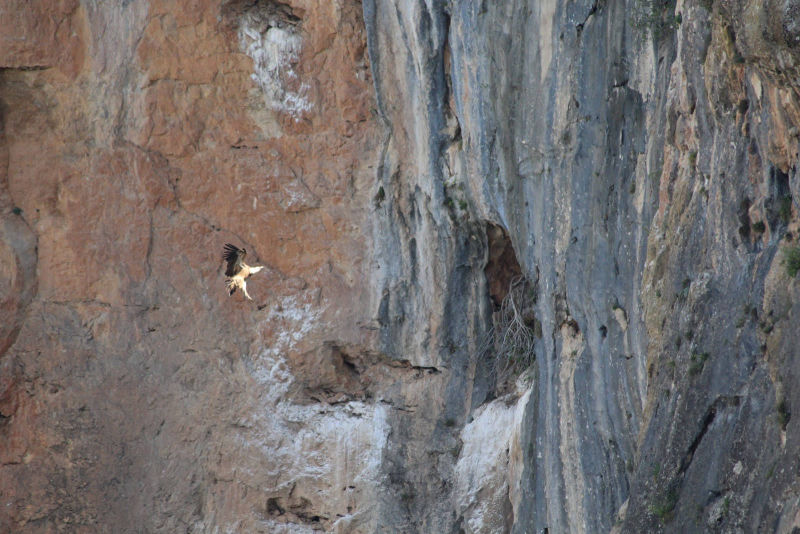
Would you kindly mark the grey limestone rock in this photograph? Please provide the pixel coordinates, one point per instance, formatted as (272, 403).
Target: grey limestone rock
(642, 158)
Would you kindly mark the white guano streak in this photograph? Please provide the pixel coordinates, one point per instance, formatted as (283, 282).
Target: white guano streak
(274, 53)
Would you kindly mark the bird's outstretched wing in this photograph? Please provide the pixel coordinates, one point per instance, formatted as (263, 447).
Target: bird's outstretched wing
(235, 259)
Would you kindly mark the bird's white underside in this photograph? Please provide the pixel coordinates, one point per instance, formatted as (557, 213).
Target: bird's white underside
(238, 280)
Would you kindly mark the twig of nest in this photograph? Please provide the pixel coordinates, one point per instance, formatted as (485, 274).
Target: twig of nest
(510, 341)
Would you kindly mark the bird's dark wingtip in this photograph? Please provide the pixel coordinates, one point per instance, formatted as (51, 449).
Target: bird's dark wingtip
(229, 252)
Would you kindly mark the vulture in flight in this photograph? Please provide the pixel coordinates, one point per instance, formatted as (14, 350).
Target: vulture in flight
(237, 270)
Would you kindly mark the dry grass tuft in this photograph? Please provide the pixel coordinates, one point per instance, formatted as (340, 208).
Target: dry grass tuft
(510, 341)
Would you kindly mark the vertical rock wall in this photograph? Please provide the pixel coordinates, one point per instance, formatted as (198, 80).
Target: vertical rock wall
(549, 138)
(641, 156)
(395, 165)
(719, 450)
(137, 138)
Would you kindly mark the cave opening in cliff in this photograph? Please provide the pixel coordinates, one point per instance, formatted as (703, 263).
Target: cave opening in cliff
(273, 13)
(779, 203)
(502, 265)
(509, 343)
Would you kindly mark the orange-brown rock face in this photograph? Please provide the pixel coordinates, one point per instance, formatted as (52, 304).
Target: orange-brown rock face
(394, 165)
(137, 138)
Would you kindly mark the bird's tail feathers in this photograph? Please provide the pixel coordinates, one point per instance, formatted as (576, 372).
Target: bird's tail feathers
(230, 285)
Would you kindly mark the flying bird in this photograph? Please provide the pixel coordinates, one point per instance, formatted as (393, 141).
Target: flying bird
(237, 270)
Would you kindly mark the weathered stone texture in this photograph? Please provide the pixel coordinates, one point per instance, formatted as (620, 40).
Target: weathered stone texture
(136, 396)
(629, 149)
(395, 165)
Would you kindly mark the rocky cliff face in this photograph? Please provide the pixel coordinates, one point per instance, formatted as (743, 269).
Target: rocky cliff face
(529, 266)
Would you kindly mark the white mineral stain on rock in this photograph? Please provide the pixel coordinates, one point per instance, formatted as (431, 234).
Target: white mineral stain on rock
(487, 474)
(325, 456)
(274, 52)
(737, 468)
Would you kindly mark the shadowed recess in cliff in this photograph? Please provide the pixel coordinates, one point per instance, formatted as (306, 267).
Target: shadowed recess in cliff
(778, 204)
(509, 345)
(501, 266)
